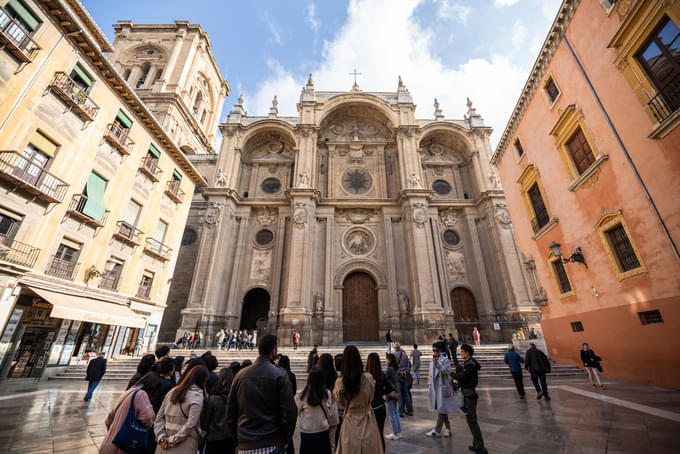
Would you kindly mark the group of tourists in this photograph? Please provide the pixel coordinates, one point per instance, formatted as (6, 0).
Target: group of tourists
(190, 340)
(236, 339)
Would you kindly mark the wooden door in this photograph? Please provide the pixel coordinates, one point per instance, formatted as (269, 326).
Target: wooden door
(465, 315)
(359, 308)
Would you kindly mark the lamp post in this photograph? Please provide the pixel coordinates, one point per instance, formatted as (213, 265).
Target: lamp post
(575, 257)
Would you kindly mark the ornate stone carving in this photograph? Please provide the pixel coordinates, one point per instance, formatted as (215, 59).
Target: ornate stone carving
(300, 215)
(356, 181)
(537, 291)
(265, 216)
(359, 241)
(449, 217)
(455, 264)
(494, 180)
(414, 181)
(503, 215)
(349, 129)
(357, 215)
(260, 267)
(438, 171)
(419, 214)
(220, 179)
(273, 169)
(212, 214)
(303, 181)
(404, 302)
(318, 305)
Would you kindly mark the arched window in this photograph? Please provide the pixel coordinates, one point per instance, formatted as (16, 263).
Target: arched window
(203, 115)
(197, 102)
(146, 67)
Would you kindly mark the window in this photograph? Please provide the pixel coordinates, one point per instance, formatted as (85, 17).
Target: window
(64, 261)
(577, 327)
(110, 279)
(441, 187)
(19, 11)
(563, 283)
(189, 237)
(264, 237)
(145, 284)
(126, 75)
(650, 317)
(153, 153)
(122, 120)
(132, 213)
(551, 90)
(81, 78)
(203, 115)
(537, 206)
(176, 176)
(9, 225)
(580, 151)
(518, 149)
(94, 190)
(541, 216)
(451, 238)
(623, 250)
(270, 186)
(161, 229)
(197, 102)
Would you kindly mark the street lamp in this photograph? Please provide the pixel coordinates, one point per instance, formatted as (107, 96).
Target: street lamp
(576, 257)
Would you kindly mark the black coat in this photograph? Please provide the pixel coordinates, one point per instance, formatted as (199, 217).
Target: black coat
(468, 376)
(215, 419)
(96, 369)
(590, 359)
(536, 361)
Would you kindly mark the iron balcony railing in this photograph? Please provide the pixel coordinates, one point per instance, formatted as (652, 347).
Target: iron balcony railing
(667, 100)
(64, 269)
(74, 96)
(31, 176)
(150, 167)
(16, 38)
(540, 221)
(174, 192)
(77, 207)
(127, 233)
(16, 252)
(118, 137)
(157, 248)
(109, 280)
(143, 291)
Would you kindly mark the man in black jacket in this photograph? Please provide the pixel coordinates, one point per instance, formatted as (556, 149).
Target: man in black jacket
(538, 365)
(261, 410)
(95, 371)
(452, 345)
(466, 377)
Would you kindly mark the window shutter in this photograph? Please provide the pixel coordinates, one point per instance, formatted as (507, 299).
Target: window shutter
(177, 175)
(160, 231)
(124, 119)
(154, 151)
(94, 207)
(72, 244)
(43, 144)
(82, 74)
(131, 213)
(24, 14)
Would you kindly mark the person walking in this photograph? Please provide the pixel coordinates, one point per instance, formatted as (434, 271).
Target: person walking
(452, 346)
(261, 410)
(138, 397)
(476, 336)
(514, 360)
(312, 358)
(466, 377)
(317, 414)
(359, 432)
(220, 339)
(440, 391)
(591, 363)
(404, 373)
(296, 339)
(177, 422)
(538, 365)
(392, 397)
(388, 340)
(415, 360)
(95, 371)
(218, 438)
(378, 403)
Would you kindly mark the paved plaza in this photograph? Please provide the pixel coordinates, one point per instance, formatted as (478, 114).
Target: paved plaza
(51, 417)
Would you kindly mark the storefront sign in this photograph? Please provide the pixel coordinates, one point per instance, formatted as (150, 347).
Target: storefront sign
(68, 345)
(59, 342)
(6, 340)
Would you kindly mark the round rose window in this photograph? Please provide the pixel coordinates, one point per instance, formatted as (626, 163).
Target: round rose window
(451, 238)
(264, 237)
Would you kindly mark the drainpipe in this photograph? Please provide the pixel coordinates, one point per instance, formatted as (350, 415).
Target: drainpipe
(33, 79)
(625, 152)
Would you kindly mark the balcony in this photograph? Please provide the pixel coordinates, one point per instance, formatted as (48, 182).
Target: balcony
(16, 38)
(173, 191)
(667, 100)
(74, 96)
(143, 291)
(16, 252)
(149, 167)
(32, 177)
(61, 268)
(77, 207)
(157, 249)
(118, 138)
(109, 281)
(540, 221)
(127, 233)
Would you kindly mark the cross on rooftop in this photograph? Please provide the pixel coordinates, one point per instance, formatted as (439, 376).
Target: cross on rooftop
(355, 74)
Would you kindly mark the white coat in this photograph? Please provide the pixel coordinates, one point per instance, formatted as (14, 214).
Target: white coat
(440, 392)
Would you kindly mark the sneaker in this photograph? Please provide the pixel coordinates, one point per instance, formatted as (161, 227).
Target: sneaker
(521, 396)
(391, 437)
(409, 414)
(446, 434)
(538, 396)
(398, 436)
(433, 433)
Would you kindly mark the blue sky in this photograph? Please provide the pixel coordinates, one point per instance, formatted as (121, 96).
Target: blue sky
(450, 49)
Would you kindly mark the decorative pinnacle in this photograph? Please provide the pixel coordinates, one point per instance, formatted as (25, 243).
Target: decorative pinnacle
(437, 111)
(240, 100)
(401, 83)
(274, 110)
(310, 83)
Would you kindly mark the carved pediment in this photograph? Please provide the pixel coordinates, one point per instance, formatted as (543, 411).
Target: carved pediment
(356, 215)
(347, 129)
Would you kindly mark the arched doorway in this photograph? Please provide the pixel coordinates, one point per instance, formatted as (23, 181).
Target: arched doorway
(464, 312)
(359, 308)
(255, 308)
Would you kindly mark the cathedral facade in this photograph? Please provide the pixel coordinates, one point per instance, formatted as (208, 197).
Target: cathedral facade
(349, 219)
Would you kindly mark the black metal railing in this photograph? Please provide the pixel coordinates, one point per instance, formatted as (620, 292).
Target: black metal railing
(118, 137)
(16, 252)
(17, 38)
(144, 291)
(77, 209)
(540, 221)
(74, 96)
(109, 280)
(157, 248)
(64, 269)
(32, 176)
(127, 232)
(174, 192)
(667, 100)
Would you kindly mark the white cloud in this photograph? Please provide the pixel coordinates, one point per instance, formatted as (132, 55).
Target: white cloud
(273, 29)
(311, 18)
(502, 3)
(382, 39)
(549, 8)
(519, 34)
(452, 9)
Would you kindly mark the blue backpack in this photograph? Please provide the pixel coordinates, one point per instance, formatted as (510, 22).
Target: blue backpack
(132, 436)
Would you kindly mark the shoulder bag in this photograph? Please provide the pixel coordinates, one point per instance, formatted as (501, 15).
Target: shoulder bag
(200, 439)
(132, 437)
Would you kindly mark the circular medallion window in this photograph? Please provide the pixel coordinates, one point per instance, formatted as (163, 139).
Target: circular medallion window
(441, 187)
(359, 241)
(356, 181)
(271, 185)
(264, 237)
(451, 238)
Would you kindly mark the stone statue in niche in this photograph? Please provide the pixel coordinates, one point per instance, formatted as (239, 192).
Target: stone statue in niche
(303, 182)
(455, 264)
(358, 242)
(404, 302)
(318, 305)
(414, 181)
(495, 180)
(220, 179)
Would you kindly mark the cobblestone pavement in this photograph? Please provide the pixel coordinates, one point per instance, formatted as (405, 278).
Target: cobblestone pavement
(51, 417)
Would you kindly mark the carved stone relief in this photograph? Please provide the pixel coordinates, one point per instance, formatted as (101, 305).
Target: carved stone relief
(449, 217)
(359, 241)
(356, 215)
(414, 181)
(212, 214)
(419, 214)
(352, 129)
(503, 215)
(404, 302)
(220, 179)
(300, 215)
(260, 267)
(455, 264)
(318, 305)
(265, 215)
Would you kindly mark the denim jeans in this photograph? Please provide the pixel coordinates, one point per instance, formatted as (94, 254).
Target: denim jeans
(416, 373)
(394, 416)
(91, 387)
(404, 396)
(389, 347)
(535, 377)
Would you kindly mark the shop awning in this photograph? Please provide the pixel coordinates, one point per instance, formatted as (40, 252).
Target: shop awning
(72, 307)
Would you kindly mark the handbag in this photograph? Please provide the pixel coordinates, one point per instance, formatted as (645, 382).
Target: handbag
(460, 399)
(200, 438)
(132, 437)
(392, 394)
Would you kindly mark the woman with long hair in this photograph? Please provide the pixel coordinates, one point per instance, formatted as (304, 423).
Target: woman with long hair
(219, 438)
(284, 363)
(392, 403)
(317, 415)
(327, 366)
(359, 432)
(378, 403)
(140, 394)
(176, 425)
(440, 391)
(179, 364)
(143, 367)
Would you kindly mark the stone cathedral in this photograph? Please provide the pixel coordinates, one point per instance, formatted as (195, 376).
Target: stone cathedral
(346, 220)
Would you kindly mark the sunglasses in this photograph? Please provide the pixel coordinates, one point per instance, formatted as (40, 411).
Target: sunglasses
(434, 350)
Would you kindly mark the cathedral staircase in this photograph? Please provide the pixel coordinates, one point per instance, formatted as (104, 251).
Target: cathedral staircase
(490, 357)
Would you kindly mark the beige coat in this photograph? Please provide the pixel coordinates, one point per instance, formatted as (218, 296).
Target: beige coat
(114, 421)
(359, 432)
(181, 430)
(312, 420)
